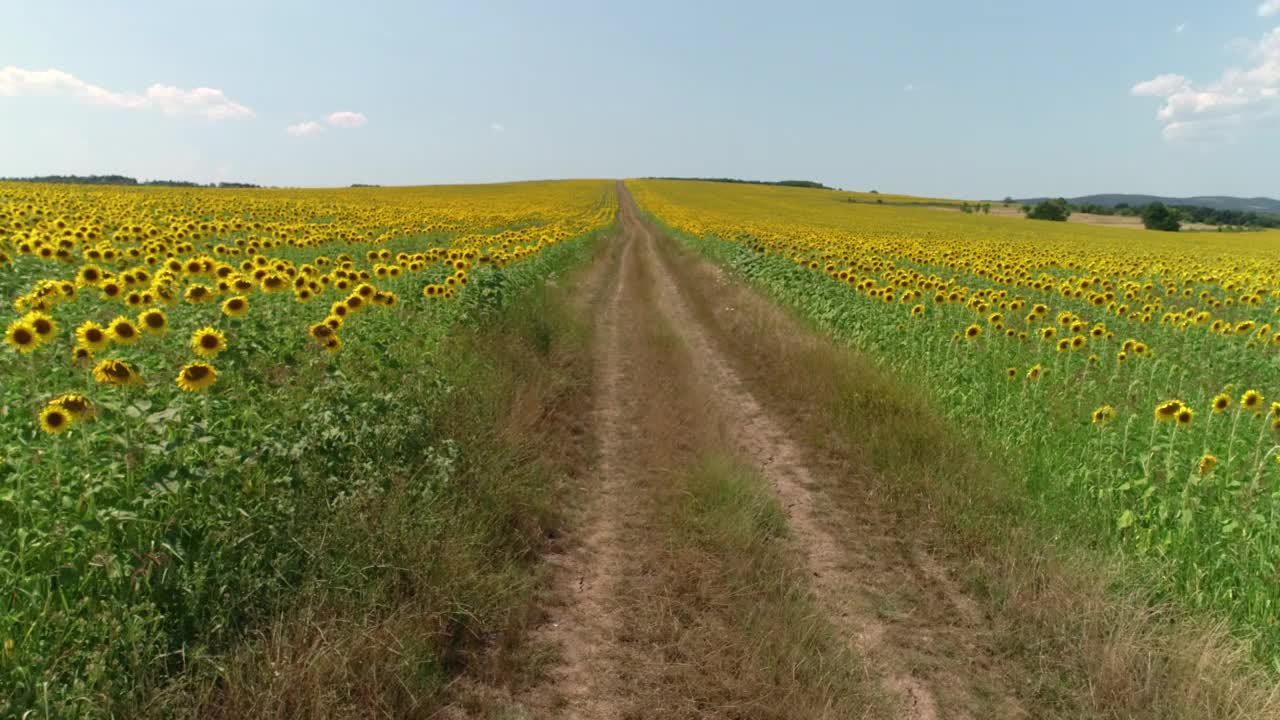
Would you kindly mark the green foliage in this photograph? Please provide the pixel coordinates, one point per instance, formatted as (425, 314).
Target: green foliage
(1158, 217)
(142, 544)
(1055, 210)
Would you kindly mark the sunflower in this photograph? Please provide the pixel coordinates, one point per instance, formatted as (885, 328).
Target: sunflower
(89, 275)
(235, 306)
(208, 342)
(122, 331)
(333, 343)
(54, 419)
(1168, 410)
(972, 332)
(153, 321)
(77, 405)
(1221, 402)
(1077, 342)
(81, 353)
(1185, 416)
(1033, 372)
(334, 322)
(321, 331)
(196, 376)
(1064, 344)
(1207, 464)
(91, 335)
(115, 372)
(46, 328)
(21, 336)
(1103, 415)
(197, 294)
(354, 302)
(1251, 400)
(1048, 332)
(1011, 373)
(273, 283)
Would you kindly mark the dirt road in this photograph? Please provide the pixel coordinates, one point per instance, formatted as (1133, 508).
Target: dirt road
(670, 387)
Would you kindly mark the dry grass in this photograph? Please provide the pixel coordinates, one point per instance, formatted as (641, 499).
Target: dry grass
(736, 632)
(1086, 640)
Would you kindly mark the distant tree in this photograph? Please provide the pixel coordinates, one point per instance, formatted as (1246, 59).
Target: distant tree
(986, 208)
(1008, 200)
(875, 192)
(1158, 217)
(1056, 210)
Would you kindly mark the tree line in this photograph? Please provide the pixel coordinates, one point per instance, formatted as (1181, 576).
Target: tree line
(123, 180)
(1156, 216)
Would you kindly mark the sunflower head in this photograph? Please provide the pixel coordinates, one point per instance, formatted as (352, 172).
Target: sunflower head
(54, 419)
(21, 336)
(1251, 400)
(1207, 464)
(972, 332)
(208, 342)
(44, 325)
(77, 405)
(196, 376)
(115, 372)
(1168, 410)
(235, 306)
(153, 321)
(1221, 402)
(1103, 415)
(122, 331)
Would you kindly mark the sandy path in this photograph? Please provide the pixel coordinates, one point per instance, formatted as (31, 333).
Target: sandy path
(889, 599)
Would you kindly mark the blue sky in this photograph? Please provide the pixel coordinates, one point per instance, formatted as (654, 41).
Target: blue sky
(979, 99)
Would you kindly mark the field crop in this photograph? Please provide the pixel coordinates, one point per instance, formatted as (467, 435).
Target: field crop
(187, 372)
(1132, 379)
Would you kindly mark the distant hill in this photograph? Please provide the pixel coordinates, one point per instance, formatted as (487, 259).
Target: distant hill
(785, 183)
(1216, 202)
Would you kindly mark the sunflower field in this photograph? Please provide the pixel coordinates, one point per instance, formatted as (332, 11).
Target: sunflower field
(178, 363)
(1131, 378)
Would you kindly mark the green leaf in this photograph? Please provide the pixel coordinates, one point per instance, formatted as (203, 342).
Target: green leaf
(1126, 520)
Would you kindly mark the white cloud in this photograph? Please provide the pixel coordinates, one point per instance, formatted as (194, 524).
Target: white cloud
(206, 102)
(497, 127)
(1240, 99)
(305, 129)
(910, 88)
(346, 119)
(1161, 85)
(1269, 8)
(1182, 27)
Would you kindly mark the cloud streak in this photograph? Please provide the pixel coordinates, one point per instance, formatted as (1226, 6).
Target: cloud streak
(346, 119)
(1242, 98)
(204, 102)
(305, 129)
(1269, 8)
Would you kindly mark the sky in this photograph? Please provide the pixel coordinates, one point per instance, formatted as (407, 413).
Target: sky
(971, 100)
